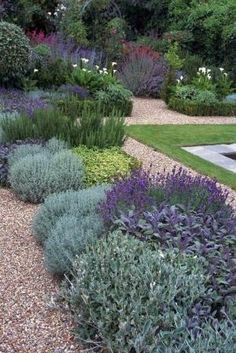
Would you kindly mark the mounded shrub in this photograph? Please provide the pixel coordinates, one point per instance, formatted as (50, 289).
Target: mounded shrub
(34, 177)
(75, 203)
(194, 108)
(128, 297)
(69, 238)
(103, 166)
(15, 52)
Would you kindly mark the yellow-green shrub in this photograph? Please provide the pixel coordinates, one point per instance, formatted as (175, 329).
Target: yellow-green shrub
(102, 166)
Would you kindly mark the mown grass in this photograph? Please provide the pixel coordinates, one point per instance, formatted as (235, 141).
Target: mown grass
(170, 138)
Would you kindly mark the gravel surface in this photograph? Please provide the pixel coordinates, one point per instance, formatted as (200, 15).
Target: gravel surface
(155, 111)
(29, 319)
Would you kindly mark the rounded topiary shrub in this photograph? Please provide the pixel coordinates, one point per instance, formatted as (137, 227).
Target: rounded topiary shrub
(15, 52)
(34, 177)
(69, 238)
(76, 203)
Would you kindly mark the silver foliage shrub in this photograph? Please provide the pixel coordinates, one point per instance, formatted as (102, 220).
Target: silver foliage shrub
(24, 151)
(76, 203)
(36, 176)
(129, 297)
(69, 238)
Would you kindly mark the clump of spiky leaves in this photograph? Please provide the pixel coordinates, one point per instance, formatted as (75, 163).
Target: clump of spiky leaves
(43, 171)
(129, 297)
(68, 238)
(75, 203)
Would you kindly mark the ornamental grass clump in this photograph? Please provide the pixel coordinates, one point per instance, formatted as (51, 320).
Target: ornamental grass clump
(79, 204)
(69, 238)
(129, 297)
(35, 176)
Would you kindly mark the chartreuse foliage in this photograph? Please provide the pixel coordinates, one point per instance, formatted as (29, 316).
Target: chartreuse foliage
(105, 165)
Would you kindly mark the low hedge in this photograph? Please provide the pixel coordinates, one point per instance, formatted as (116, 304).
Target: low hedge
(192, 108)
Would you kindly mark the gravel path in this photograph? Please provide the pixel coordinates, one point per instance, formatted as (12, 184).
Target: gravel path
(155, 111)
(29, 320)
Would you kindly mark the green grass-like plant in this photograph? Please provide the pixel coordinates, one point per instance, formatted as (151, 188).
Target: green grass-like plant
(105, 165)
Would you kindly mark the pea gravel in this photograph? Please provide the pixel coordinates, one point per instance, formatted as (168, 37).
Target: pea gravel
(30, 320)
(155, 111)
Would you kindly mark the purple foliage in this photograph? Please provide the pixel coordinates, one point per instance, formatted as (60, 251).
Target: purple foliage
(76, 90)
(141, 191)
(143, 75)
(14, 100)
(209, 236)
(6, 149)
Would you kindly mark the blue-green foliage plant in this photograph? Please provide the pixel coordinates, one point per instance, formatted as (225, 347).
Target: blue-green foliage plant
(69, 238)
(79, 204)
(43, 171)
(128, 296)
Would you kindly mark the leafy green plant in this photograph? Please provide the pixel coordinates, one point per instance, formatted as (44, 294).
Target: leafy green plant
(37, 175)
(203, 81)
(102, 166)
(15, 52)
(173, 57)
(123, 290)
(52, 73)
(223, 84)
(115, 96)
(68, 239)
(93, 80)
(79, 204)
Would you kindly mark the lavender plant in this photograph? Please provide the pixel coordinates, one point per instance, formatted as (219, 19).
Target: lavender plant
(15, 100)
(141, 191)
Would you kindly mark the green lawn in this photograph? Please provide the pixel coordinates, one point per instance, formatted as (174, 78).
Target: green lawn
(170, 138)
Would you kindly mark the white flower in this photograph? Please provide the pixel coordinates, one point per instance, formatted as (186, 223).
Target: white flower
(49, 13)
(221, 69)
(104, 69)
(84, 69)
(97, 67)
(105, 72)
(178, 81)
(36, 70)
(100, 71)
(74, 65)
(202, 69)
(113, 63)
(225, 74)
(209, 77)
(84, 60)
(181, 78)
(114, 71)
(208, 70)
